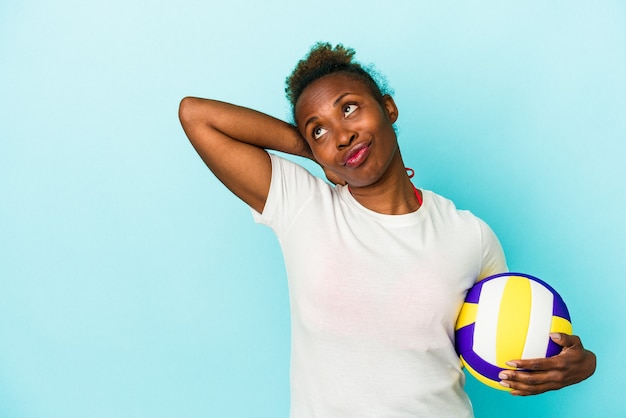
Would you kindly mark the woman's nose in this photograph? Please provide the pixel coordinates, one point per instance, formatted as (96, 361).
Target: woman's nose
(345, 137)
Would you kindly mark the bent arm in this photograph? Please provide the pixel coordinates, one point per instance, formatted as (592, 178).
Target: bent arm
(231, 140)
(573, 365)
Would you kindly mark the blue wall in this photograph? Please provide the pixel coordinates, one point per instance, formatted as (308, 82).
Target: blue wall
(133, 285)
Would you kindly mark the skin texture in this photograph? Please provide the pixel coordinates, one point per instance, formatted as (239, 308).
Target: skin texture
(574, 364)
(344, 128)
(231, 139)
(351, 135)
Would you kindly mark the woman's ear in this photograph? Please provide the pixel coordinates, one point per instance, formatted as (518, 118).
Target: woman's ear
(390, 108)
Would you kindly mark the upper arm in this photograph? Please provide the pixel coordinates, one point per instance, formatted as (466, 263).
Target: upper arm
(243, 167)
(493, 258)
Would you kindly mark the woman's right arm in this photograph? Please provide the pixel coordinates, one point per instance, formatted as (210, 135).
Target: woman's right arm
(231, 140)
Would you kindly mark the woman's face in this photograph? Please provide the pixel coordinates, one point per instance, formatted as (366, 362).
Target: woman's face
(349, 131)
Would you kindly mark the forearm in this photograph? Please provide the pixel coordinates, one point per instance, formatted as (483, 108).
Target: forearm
(530, 377)
(242, 124)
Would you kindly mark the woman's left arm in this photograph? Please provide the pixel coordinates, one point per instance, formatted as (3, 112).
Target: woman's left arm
(573, 365)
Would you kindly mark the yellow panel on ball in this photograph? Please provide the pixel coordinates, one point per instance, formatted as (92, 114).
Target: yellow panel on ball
(507, 317)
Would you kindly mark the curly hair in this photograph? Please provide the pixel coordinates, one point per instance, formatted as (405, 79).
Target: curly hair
(324, 59)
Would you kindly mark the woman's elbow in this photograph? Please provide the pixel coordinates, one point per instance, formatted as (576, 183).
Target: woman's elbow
(186, 110)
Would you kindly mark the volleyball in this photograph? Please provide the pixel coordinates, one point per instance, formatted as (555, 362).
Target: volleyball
(506, 317)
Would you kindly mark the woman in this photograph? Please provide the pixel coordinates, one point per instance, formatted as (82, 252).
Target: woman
(377, 268)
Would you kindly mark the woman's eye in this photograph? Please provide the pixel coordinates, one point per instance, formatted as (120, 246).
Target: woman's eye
(318, 132)
(348, 109)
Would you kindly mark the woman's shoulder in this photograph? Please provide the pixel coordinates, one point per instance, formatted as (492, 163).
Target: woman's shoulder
(294, 174)
(445, 206)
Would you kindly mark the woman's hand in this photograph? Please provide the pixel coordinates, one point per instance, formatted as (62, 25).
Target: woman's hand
(574, 364)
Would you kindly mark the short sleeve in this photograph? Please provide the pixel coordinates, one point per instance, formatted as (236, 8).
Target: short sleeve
(493, 259)
(291, 188)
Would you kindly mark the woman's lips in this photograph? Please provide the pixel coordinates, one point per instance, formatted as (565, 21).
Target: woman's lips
(357, 155)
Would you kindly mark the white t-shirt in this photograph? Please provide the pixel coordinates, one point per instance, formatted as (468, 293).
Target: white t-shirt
(374, 298)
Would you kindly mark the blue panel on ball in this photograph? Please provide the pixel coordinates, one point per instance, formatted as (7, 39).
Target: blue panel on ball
(474, 293)
(464, 339)
(485, 369)
(559, 308)
(553, 349)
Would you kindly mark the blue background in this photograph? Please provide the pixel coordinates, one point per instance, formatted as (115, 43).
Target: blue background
(132, 284)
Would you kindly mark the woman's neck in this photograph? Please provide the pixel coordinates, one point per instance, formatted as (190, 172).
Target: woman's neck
(393, 194)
